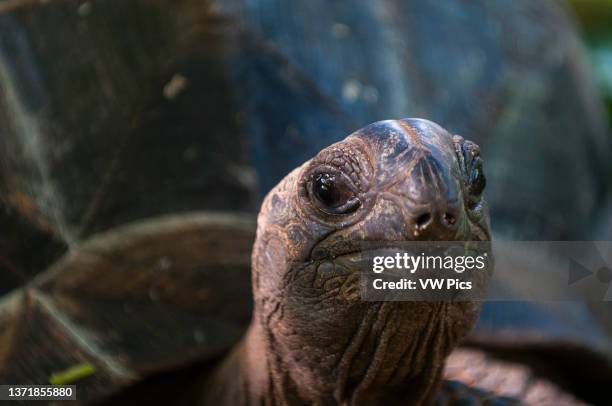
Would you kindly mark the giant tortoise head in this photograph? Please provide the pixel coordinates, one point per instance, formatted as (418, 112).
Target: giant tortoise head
(398, 180)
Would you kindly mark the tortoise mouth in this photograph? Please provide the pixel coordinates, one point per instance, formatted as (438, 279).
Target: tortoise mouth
(331, 250)
(358, 256)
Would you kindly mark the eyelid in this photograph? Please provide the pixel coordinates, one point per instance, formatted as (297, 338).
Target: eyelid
(337, 172)
(351, 205)
(347, 208)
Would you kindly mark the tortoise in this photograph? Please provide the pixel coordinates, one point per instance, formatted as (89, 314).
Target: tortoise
(517, 102)
(308, 340)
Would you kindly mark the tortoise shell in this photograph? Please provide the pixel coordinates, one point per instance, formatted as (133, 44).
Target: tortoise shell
(141, 298)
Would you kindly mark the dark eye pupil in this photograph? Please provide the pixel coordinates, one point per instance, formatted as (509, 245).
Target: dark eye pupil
(326, 190)
(333, 194)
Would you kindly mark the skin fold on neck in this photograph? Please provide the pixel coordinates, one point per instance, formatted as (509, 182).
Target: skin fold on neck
(257, 372)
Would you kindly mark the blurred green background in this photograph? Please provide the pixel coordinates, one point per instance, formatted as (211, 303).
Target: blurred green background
(595, 20)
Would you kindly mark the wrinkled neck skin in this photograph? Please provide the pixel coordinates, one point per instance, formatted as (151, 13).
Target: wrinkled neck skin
(373, 367)
(382, 361)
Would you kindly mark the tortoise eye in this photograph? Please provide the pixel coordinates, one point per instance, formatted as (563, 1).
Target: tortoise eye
(326, 190)
(477, 180)
(469, 157)
(332, 194)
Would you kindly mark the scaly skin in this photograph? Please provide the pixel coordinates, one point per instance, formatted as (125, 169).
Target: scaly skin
(312, 340)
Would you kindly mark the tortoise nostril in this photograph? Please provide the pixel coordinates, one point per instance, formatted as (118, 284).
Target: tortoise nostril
(423, 220)
(449, 219)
